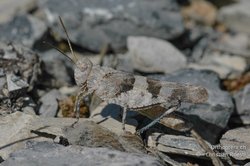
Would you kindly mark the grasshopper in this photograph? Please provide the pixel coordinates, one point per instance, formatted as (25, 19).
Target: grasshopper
(130, 91)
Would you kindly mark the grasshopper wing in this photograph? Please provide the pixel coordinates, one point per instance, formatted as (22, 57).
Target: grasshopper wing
(113, 83)
(176, 91)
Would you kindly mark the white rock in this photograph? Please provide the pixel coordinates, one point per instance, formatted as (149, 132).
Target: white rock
(236, 16)
(16, 129)
(154, 55)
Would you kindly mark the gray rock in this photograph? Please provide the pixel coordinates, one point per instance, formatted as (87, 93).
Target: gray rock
(236, 143)
(14, 127)
(57, 69)
(20, 68)
(247, 164)
(92, 24)
(45, 153)
(242, 99)
(211, 117)
(90, 134)
(20, 61)
(154, 55)
(29, 110)
(10, 8)
(16, 130)
(199, 49)
(16, 86)
(168, 160)
(176, 144)
(236, 44)
(24, 29)
(236, 16)
(224, 53)
(49, 107)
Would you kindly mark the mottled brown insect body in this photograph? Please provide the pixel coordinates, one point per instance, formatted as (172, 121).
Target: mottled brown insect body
(130, 91)
(134, 92)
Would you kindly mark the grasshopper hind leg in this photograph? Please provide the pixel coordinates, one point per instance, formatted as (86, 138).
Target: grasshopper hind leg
(169, 111)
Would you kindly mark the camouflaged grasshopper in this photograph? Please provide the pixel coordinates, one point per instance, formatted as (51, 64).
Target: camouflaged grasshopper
(129, 91)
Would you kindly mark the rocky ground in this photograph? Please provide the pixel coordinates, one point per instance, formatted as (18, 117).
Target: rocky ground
(200, 42)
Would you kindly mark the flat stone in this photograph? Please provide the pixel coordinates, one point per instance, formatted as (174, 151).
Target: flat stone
(236, 143)
(16, 130)
(45, 153)
(176, 144)
(211, 117)
(154, 55)
(92, 24)
(90, 134)
(24, 29)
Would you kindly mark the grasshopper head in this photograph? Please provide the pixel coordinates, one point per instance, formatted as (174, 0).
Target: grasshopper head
(82, 69)
(83, 66)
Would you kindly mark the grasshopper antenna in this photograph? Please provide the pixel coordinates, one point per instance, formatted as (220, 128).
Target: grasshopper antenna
(51, 45)
(68, 40)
